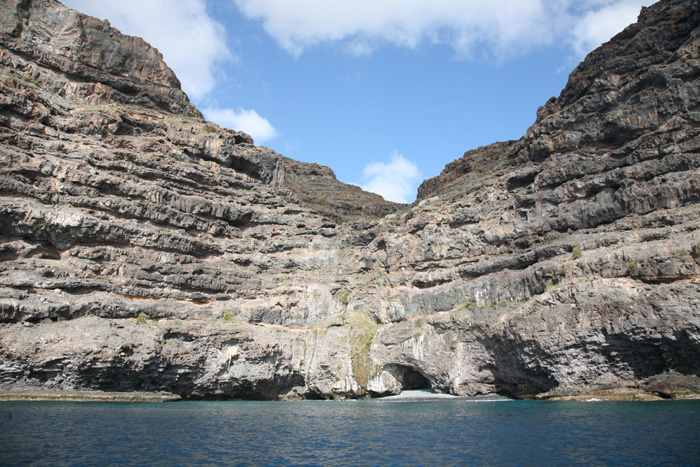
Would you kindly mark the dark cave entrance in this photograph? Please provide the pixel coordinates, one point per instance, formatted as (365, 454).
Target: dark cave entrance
(409, 378)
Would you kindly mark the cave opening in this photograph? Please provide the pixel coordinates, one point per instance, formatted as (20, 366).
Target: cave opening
(415, 380)
(409, 378)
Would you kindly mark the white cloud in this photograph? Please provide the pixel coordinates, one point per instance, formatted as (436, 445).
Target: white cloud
(497, 28)
(244, 120)
(396, 180)
(598, 26)
(192, 43)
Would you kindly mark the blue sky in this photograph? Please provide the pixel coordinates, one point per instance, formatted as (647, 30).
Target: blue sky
(385, 92)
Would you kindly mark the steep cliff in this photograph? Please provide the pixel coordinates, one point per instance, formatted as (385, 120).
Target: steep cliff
(145, 249)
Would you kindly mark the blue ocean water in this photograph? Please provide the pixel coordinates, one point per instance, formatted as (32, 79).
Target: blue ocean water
(350, 433)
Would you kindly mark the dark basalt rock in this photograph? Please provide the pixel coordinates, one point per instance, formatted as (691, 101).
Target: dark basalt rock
(145, 249)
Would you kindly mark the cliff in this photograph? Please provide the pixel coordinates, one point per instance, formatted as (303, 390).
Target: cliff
(143, 248)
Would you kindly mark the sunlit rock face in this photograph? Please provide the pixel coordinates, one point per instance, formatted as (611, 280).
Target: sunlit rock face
(143, 248)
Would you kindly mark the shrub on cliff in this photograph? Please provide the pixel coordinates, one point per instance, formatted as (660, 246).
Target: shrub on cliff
(576, 253)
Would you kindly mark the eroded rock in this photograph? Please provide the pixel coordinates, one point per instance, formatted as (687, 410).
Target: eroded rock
(145, 249)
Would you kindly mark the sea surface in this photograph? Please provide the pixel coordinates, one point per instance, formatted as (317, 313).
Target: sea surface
(350, 433)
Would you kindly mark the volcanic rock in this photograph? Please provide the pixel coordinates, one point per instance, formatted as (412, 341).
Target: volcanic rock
(143, 248)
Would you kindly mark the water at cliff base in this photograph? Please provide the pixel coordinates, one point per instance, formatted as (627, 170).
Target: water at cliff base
(352, 433)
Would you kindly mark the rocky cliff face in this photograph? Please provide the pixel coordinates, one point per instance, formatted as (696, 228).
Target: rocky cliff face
(145, 249)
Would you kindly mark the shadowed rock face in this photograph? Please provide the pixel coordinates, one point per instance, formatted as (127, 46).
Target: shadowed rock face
(145, 249)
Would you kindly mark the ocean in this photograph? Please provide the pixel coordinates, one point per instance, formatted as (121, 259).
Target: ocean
(350, 433)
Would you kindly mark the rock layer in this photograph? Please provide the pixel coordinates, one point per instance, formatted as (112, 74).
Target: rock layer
(145, 249)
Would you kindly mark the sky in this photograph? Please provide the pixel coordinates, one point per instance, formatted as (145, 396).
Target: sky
(384, 92)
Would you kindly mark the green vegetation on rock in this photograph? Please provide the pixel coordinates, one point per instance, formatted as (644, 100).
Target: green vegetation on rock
(30, 80)
(576, 253)
(362, 329)
(229, 318)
